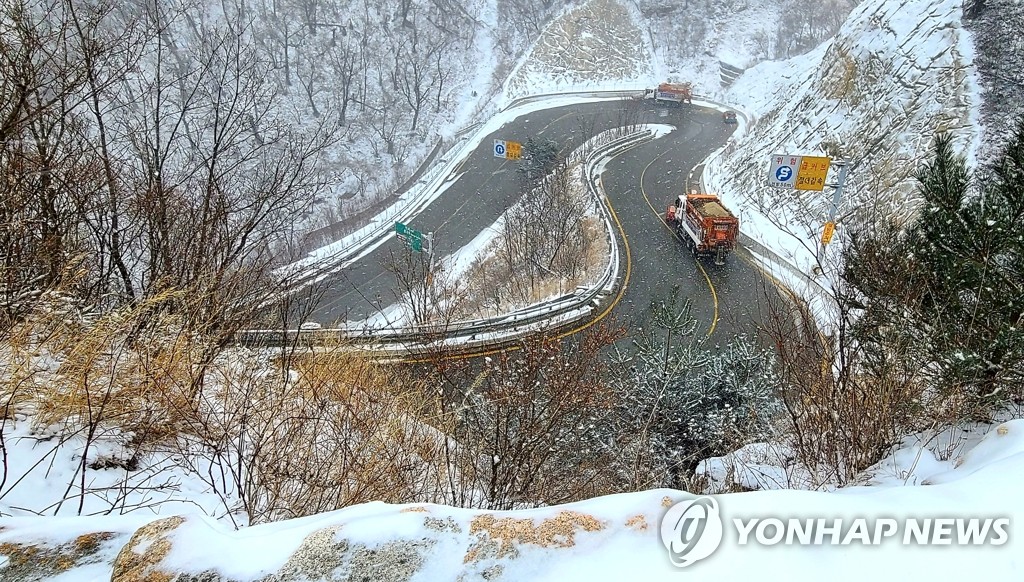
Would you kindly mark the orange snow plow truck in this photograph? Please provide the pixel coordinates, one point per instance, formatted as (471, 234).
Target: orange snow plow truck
(672, 93)
(705, 225)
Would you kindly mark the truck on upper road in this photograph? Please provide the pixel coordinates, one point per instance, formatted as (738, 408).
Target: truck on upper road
(706, 226)
(671, 93)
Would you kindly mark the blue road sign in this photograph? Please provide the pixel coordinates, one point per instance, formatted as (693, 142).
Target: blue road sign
(499, 148)
(782, 173)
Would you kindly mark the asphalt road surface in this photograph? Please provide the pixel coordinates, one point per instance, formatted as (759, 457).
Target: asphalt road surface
(640, 184)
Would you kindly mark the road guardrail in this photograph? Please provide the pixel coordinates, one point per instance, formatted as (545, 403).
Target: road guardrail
(484, 333)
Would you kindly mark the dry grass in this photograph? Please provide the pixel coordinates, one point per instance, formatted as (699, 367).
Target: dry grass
(41, 560)
(844, 76)
(285, 436)
(76, 371)
(844, 413)
(498, 536)
(286, 433)
(637, 523)
(491, 289)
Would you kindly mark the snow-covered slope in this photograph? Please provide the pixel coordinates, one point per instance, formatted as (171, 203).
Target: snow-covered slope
(597, 45)
(897, 72)
(610, 44)
(997, 27)
(875, 95)
(609, 538)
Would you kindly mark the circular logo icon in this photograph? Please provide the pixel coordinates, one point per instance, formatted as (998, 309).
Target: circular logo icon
(691, 530)
(784, 173)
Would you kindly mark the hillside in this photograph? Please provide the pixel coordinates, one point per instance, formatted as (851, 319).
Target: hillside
(195, 462)
(608, 538)
(875, 95)
(995, 26)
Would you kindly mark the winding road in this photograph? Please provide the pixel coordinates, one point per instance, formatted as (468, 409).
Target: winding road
(639, 182)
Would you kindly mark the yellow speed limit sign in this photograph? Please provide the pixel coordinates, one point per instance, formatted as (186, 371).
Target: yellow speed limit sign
(826, 235)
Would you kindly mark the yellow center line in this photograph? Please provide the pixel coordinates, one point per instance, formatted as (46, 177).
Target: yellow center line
(711, 286)
(625, 279)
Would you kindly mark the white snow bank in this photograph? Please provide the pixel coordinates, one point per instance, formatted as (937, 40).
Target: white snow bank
(43, 468)
(875, 95)
(614, 537)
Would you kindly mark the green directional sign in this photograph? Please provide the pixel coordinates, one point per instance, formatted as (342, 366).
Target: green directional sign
(413, 238)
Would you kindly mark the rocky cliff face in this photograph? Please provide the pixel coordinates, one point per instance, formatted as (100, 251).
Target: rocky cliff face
(597, 45)
(998, 30)
(875, 95)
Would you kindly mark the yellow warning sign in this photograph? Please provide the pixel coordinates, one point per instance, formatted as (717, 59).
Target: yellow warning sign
(514, 150)
(826, 235)
(812, 172)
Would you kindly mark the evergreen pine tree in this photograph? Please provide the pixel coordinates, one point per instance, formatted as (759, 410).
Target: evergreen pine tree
(953, 280)
(540, 156)
(690, 402)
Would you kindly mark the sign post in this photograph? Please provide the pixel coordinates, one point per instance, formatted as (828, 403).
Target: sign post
(809, 173)
(430, 258)
(837, 196)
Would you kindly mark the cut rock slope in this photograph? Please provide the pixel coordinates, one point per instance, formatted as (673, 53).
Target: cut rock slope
(875, 95)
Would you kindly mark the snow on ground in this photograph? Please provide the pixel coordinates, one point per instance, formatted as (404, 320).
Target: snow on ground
(920, 459)
(610, 45)
(996, 26)
(875, 96)
(689, 40)
(620, 51)
(597, 45)
(41, 470)
(870, 91)
(616, 537)
(456, 265)
(481, 85)
(340, 254)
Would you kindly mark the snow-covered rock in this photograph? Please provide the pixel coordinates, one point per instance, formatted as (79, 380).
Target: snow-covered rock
(607, 538)
(874, 95)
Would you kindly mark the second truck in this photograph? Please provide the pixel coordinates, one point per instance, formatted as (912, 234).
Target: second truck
(706, 226)
(671, 93)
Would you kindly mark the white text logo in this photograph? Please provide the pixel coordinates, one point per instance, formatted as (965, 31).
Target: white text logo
(839, 532)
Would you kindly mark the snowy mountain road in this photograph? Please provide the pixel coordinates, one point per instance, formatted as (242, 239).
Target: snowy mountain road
(639, 183)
